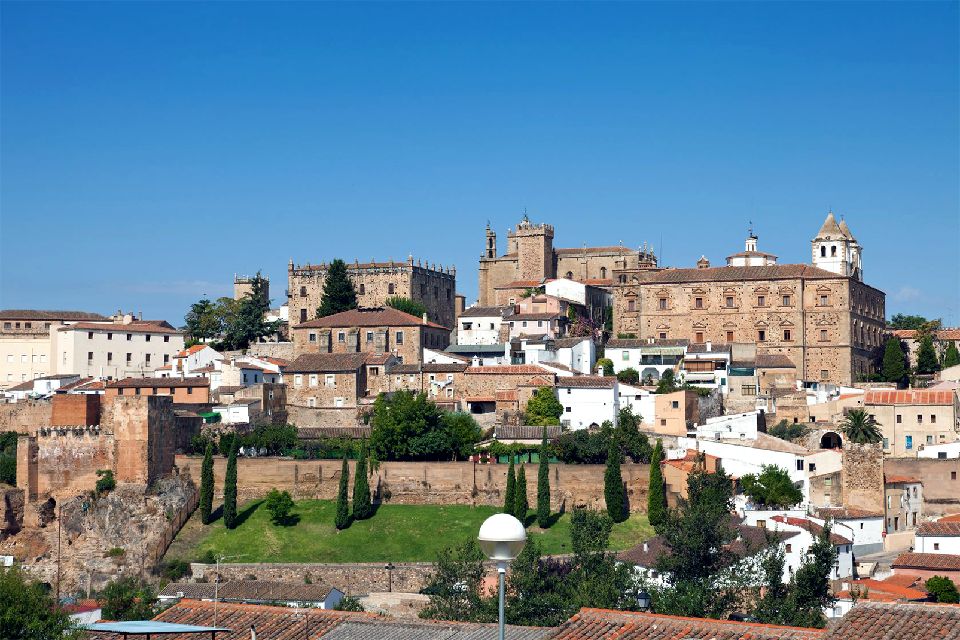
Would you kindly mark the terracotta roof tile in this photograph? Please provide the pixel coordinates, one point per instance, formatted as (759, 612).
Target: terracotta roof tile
(267, 591)
(910, 396)
(153, 326)
(939, 528)
(158, 382)
(486, 312)
(587, 382)
(36, 314)
(847, 513)
(317, 362)
(506, 370)
(902, 621)
(525, 432)
(371, 317)
(737, 274)
(891, 479)
(811, 526)
(931, 561)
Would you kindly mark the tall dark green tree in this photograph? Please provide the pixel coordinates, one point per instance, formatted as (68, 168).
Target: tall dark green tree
(455, 586)
(342, 519)
(657, 496)
(520, 504)
(230, 491)
(510, 493)
(249, 323)
(202, 321)
(808, 593)
(338, 292)
(926, 355)
(543, 484)
(951, 357)
(894, 367)
(206, 485)
(362, 508)
(613, 484)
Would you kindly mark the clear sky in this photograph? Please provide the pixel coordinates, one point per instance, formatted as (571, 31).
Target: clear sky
(151, 151)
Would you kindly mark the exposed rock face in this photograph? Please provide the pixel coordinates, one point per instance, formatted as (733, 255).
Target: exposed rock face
(124, 532)
(11, 510)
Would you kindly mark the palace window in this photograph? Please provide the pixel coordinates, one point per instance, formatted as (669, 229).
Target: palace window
(699, 338)
(303, 315)
(663, 303)
(761, 335)
(663, 335)
(399, 337)
(761, 301)
(729, 336)
(729, 302)
(369, 336)
(823, 300)
(341, 336)
(313, 337)
(330, 380)
(824, 335)
(390, 288)
(303, 292)
(698, 303)
(786, 301)
(363, 288)
(603, 272)
(631, 305)
(787, 336)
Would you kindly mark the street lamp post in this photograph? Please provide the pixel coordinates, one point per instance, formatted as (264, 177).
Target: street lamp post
(502, 537)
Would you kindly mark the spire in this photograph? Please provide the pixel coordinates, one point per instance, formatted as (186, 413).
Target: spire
(845, 230)
(830, 228)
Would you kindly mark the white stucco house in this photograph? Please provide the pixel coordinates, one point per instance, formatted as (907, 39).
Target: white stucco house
(481, 325)
(866, 527)
(937, 537)
(649, 357)
(587, 401)
(738, 426)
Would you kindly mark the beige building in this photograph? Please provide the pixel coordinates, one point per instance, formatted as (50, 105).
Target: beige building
(26, 340)
(821, 316)
(124, 348)
(531, 258)
(374, 331)
(433, 286)
(914, 418)
(326, 389)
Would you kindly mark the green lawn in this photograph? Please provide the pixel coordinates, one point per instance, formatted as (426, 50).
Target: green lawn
(398, 533)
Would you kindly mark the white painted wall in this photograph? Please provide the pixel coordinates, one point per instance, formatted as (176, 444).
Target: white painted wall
(738, 426)
(641, 401)
(583, 407)
(950, 450)
(483, 330)
(937, 544)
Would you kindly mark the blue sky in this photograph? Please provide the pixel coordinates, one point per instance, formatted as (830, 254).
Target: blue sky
(150, 151)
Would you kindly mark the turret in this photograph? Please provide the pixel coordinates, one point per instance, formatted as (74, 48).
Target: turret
(836, 250)
(491, 250)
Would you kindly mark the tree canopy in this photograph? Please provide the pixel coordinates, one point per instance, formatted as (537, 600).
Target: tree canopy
(771, 488)
(248, 323)
(927, 361)
(338, 292)
(943, 589)
(904, 321)
(629, 376)
(407, 305)
(894, 368)
(951, 356)
(27, 612)
(128, 599)
(544, 408)
(408, 426)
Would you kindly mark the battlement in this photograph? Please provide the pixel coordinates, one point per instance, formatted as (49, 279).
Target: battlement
(373, 267)
(73, 430)
(527, 228)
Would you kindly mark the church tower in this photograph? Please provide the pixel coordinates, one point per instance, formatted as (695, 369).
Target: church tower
(491, 250)
(836, 250)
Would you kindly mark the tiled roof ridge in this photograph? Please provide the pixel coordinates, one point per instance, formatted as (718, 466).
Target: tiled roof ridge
(271, 608)
(735, 623)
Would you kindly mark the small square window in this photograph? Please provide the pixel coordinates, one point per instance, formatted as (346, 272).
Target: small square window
(400, 336)
(761, 301)
(729, 302)
(129, 337)
(698, 303)
(823, 334)
(785, 301)
(787, 336)
(313, 337)
(674, 404)
(341, 337)
(729, 336)
(761, 335)
(663, 335)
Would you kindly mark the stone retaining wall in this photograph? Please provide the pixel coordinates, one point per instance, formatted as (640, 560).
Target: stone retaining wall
(354, 579)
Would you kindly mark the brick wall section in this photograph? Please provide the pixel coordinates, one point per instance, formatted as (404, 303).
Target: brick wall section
(144, 430)
(26, 416)
(940, 478)
(425, 482)
(862, 477)
(75, 409)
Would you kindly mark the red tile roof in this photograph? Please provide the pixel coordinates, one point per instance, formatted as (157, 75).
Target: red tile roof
(603, 624)
(153, 326)
(317, 362)
(34, 314)
(191, 350)
(507, 370)
(812, 527)
(586, 382)
(481, 398)
(847, 513)
(910, 396)
(939, 528)
(942, 334)
(931, 561)
(899, 621)
(520, 284)
(886, 590)
(900, 480)
(163, 383)
(372, 317)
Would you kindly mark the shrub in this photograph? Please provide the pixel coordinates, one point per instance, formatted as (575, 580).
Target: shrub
(176, 569)
(348, 603)
(116, 552)
(943, 589)
(105, 481)
(629, 376)
(606, 366)
(279, 504)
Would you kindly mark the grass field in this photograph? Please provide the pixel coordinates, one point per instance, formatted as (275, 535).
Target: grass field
(398, 533)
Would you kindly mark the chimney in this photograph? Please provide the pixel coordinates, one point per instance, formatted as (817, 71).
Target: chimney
(646, 547)
(709, 345)
(253, 632)
(424, 317)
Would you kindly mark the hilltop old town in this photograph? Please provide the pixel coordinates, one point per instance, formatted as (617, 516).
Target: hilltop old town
(743, 449)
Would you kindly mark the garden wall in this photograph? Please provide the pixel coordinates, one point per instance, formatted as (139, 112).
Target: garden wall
(353, 579)
(425, 482)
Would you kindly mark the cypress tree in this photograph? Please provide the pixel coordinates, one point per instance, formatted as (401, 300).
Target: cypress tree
(342, 520)
(338, 292)
(206, 485)
(521, 505)
(613, 484)
(951, 357)
(543, 485)
(230, 491)
(510, 495)
(926, 355)
(361, 488)
(657, 496)
(894, 364)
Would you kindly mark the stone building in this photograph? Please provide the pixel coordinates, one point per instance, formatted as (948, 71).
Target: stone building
(372, 330)
(327, 389)
(432, 285)
(914, 418)
(821, 316)
(182, 390)
(531, 258)
(243, 286)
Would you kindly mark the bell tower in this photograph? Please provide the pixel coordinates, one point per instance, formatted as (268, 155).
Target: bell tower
(836, 250)
(491, 249)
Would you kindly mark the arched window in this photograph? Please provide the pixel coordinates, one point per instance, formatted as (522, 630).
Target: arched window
(603, 272)
(823, 252)
(569, 275)
(833, 250)
(390, 288)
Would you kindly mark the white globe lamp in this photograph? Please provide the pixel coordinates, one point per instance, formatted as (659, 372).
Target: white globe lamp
(502, 538)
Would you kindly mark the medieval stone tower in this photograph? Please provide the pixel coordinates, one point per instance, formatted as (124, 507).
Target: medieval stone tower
(534, 250)
(836, 250)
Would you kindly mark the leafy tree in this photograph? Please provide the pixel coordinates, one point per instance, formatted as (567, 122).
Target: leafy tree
(597, 579)
(628, 436)
(27, 612)
(520, 504)
(943, 589)
(537, 589)
(348, 603)
(543, 484)
(544, 408)
(657, 495)
(8, 457)
(408, 426)
(206, 485)
(894, 367)
(771, 488)
(582, 447)
(902, 321)
(127, 599)
(202, 321)
(768, 607)
(342, 520)
(338, 292)
(589, 531)
(808, 593)
(230, 491)
(605, 365)
(279, 504)
(861, 427)
(791, 431)
(249, 323)
(273, 439)
(608, 320)
(613, 485)
(510, 493)
(407, 305)
(951, 357)
(667, 383)
(362, 508)
(926, 355)
(454, 587)
(629, 376)
(105, 481)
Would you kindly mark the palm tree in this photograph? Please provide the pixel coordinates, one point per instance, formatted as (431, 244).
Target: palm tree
(861, 427)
